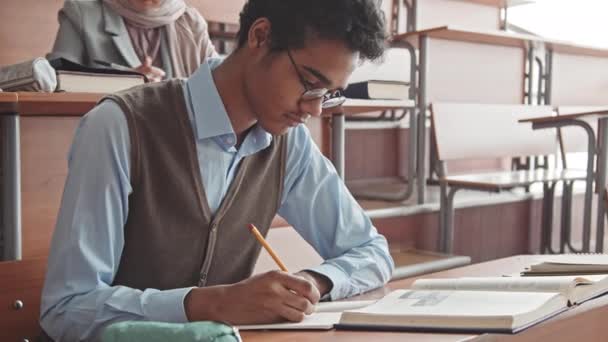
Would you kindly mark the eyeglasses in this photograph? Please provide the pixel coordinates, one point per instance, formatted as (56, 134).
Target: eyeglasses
(329, 99)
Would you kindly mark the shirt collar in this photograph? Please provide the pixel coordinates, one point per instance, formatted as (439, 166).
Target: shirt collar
(210, 116)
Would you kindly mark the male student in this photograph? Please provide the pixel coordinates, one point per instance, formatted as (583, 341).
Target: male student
(164, 179)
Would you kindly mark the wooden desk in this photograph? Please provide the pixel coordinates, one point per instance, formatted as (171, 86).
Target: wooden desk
(20, 288)
(586, 322)
(37, 130)
(454, 65)
(353, 107)
(599, 149)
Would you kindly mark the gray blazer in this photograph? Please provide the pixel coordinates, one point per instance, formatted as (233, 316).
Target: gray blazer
(89, 31)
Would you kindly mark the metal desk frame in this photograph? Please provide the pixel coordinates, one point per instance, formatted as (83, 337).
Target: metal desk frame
(11, 187)
(600, 176)
(338, 131)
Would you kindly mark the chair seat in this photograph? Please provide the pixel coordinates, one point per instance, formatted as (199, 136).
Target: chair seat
(497, 181)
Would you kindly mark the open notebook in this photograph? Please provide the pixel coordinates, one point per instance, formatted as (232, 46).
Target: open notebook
(576, 289)
(326, 315)
(455, 311)
(471, 304)
(475, 304)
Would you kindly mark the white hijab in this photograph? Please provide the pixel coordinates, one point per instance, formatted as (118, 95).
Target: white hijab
(165, 14)
(187, 49)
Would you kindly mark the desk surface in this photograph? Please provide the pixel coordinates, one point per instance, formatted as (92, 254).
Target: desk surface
(31, 103)
(585, 323)
(497, 37)
(39, 104)
(494, 37)
(358, 106)
(8, 102)
(595, 114)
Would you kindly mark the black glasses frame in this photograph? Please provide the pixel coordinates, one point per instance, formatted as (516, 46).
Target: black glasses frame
(329, 99)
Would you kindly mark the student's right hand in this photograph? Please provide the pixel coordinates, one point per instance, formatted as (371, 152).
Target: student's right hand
(153, 73)
(265, 298)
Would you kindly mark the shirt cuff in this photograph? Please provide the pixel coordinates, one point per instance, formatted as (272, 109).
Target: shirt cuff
(339, 279)
(168, 306)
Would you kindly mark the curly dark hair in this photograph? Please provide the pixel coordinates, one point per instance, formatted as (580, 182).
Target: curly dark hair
(360, 24)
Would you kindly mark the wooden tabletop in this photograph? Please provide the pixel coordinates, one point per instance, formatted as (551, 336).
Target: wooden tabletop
(595, 114)
(495, 37)
(358, 106)
(77, 104)
(576, 49)
(37, 104)
(8, 102)
(498, 37)
(586, 322)
(497, 181)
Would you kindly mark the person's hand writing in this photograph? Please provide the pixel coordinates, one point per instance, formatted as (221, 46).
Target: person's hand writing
(153, 73)
(265, 298)
(322, 283)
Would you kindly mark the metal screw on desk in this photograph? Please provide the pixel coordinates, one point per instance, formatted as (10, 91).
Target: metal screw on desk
(18, 305)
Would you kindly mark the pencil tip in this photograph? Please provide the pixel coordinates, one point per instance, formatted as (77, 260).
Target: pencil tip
(251, 226)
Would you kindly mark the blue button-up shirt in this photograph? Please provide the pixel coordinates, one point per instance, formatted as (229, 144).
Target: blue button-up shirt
(78, 299)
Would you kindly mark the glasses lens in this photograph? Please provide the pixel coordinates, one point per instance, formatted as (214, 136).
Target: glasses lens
(333, 102)
(314, 94)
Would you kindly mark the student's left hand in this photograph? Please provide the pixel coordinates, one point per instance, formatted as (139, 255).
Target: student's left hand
(321, 282)
(153, 73)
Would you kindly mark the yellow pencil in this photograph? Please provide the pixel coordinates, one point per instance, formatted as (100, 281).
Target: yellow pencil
(265, 244)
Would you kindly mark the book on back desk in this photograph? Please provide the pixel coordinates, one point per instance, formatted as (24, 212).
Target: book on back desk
(74, 77)
(565, 264)
(378, 90)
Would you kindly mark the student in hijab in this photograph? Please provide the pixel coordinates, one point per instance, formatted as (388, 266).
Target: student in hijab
(159, 38)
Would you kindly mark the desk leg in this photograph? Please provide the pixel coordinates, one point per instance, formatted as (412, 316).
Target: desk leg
(601, 183)
(11, 188)
(591, 176)
(337, 143)
(422, 106)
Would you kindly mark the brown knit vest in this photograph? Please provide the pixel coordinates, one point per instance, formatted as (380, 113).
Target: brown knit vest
(171, 238)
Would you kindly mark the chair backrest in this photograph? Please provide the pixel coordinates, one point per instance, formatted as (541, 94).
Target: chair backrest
(577, 77)
(484, 131)
(469, 14)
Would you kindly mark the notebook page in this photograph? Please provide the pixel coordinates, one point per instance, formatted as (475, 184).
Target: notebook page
(315, 321)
